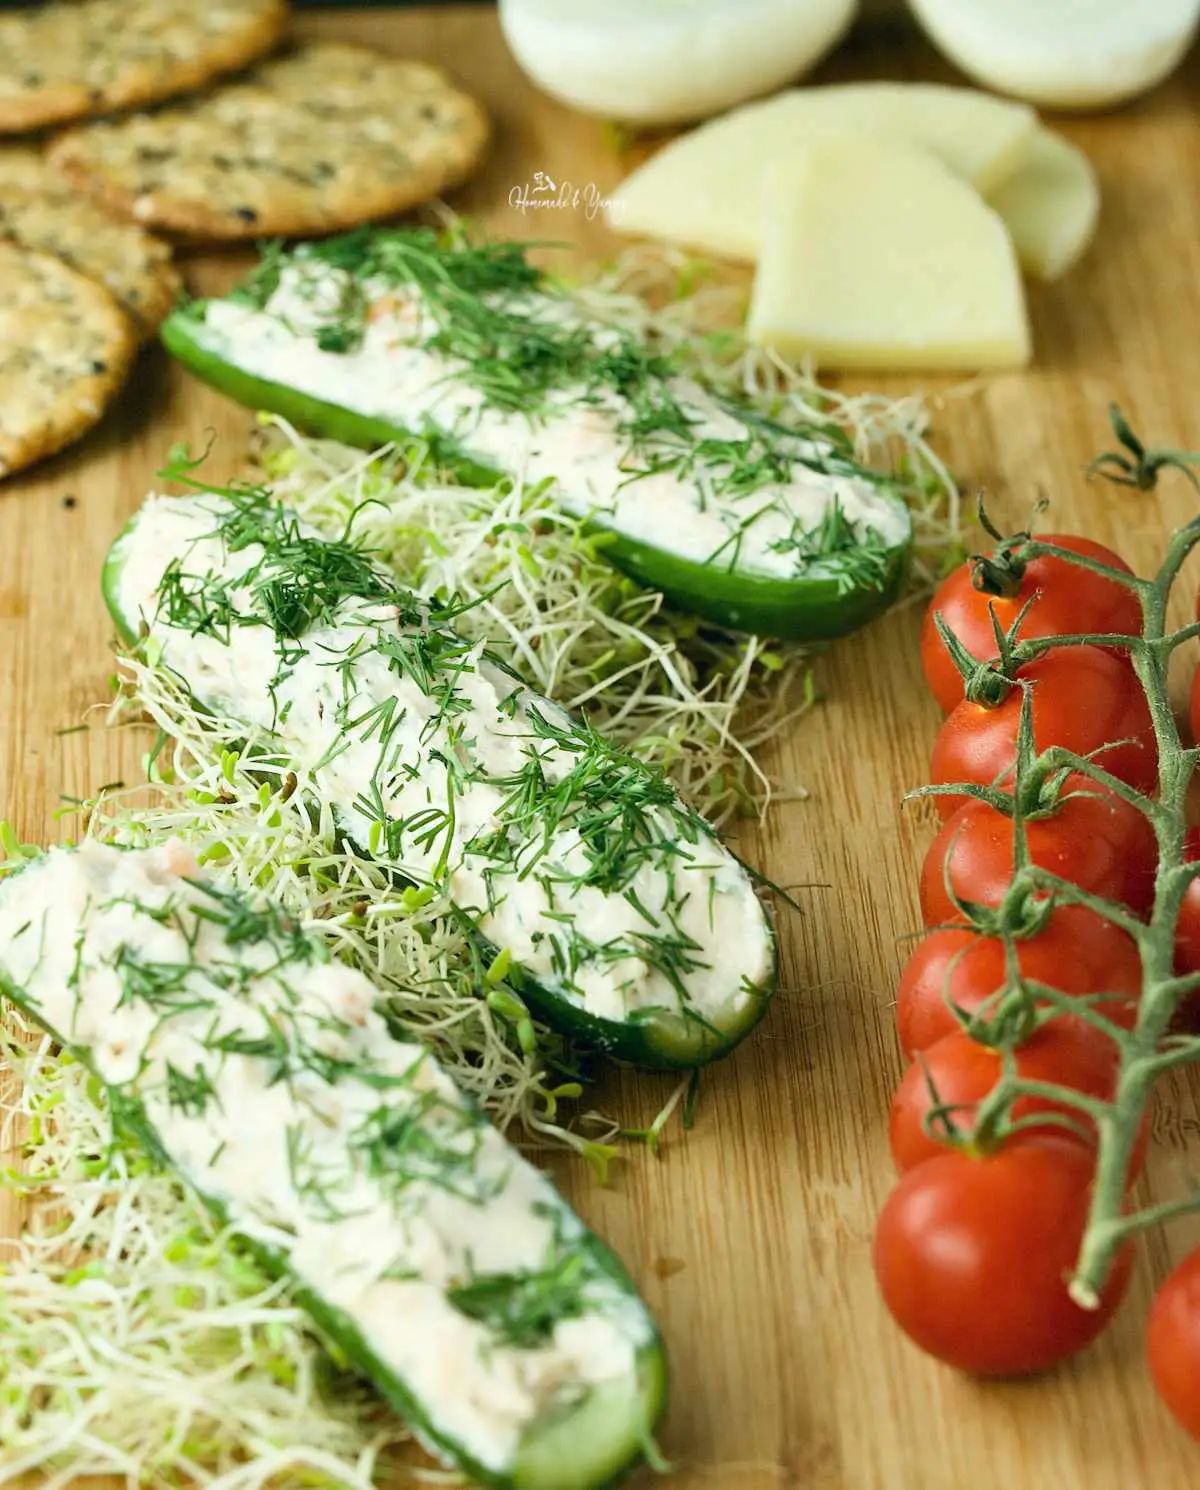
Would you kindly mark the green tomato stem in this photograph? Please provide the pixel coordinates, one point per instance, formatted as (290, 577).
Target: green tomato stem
(1037, 646)
(1147, 1050)
(1066, 893)
(1139, 1057)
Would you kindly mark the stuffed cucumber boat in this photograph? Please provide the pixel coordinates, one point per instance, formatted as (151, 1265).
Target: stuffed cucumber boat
(446, 1268)
(384, 335)
(625, 921)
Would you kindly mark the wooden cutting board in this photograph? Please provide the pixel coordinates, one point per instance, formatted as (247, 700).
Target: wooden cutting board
(751, 1236)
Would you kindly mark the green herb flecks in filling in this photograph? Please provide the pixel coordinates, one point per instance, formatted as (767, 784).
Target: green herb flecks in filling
(577, 813)
(522, 1309)
(498, 321)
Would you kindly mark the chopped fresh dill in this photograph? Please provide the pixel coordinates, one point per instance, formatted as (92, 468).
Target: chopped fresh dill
(427, 1142)
(163, 985)
(245, 920)
(522, 1309)
(856, 562)
(190, 1092)
(528, 348)
(192, 1392)
(578, 817)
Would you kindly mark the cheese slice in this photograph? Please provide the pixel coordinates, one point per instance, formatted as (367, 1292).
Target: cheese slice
(877, 256)
(1050, 205)
(705, 189)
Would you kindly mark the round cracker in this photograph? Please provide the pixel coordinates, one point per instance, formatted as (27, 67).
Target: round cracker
(22, 165)
(65, 348)
(134, 266)
(75, 58)
(323, 139)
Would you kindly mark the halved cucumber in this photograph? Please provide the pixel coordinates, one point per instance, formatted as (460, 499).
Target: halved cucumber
(830, 591)
(208, 1018)
(182, 335)
(629, 926)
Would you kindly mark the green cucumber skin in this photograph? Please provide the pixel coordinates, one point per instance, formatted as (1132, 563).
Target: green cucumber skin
(129, 1117)
(807, 610)
(810, 610)
(667, 1042)
(313, 415)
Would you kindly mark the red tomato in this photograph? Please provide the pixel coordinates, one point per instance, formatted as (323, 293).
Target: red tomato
(1187, 928)
(1092, 839)
(1194, 707)
(1076, 951)
(1173, 1342)
(963, 1073)
(1194, 701)
(1083, 698)
(973, 1256)
(1067, 601)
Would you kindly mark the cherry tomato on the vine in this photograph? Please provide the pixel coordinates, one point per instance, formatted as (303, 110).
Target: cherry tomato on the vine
(1194, 698)
(1082, 698)
(973, 1257)
(1075, 951)
(1187, 929)
(1090, 838)
(1173, 1342)
(1067, 600)
(963, 1072)
(1194, 706)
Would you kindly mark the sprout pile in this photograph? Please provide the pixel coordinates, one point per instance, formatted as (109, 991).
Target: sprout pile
(138, 1341)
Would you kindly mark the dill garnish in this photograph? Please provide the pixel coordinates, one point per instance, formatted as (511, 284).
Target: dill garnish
(429, 1141)
(507, 331)
(164, 985)
(408, 729)
(521, 1309)
(190, 1093)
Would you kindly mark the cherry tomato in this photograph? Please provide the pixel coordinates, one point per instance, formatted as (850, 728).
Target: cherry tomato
(1187, 930)
(1082, 698)
(973, 1256)
(1194, 699)
(1076, 951)
(1066, 601)
(1194, 706)
(963, 1072)
(1173, 1342)
(1091, 838)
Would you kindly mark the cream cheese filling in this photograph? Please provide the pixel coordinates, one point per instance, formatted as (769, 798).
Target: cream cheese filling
(575, 441)
(422, 765)
(276, 1090)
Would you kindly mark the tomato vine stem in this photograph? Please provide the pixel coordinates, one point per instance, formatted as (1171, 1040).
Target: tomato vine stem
(1140, 1062)
(1147, 1049)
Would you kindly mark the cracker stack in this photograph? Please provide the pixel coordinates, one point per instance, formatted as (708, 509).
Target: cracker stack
(65, 348)
(320, 138)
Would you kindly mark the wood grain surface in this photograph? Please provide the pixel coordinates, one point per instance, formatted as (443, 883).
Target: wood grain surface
(751, 1237)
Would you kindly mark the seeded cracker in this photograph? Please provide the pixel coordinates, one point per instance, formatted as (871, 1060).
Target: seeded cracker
(135, 267)
(66, 61)
(65, 347)
(22, 165)
(322, 139)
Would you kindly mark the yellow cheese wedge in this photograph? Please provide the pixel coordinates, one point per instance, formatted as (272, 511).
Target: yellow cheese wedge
(1050, 205)
(876, 256)
(705, 189)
